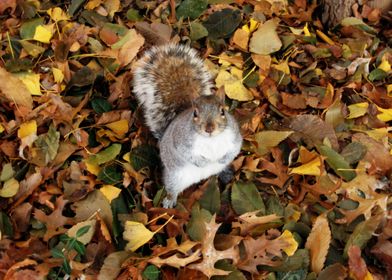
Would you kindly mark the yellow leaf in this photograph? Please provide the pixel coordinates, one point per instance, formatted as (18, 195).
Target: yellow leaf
(27, 129)
(325, 38)
(127, 157)
(309, 168)
(238, 91)
(268, 139)
(283, 66)
(43, 34)
(318, 243)
(119, 127)
(10, 188)
(112, 6)
(389, 90)
(357, 110)
(237, 73)
(368, 276)
(385, 115)
(384, 65)
(234, 88)
(57, 14)
(378, 134)
(31, 81)
(136, 234)
(251, 26)
(58, 75)
(292, 244)
(92, 168)
(92, 4)
(306, 30)
(110, 192)
(1, 128)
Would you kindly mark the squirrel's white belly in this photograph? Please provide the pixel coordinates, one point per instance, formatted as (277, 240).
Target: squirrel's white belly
(191, 174)
(214, 148)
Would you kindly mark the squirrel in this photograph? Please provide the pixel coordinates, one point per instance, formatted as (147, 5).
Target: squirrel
(197, 136)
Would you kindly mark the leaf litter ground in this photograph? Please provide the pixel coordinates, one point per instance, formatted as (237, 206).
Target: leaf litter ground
(80, 185)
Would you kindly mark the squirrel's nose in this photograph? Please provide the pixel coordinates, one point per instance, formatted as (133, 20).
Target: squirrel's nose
(210, 127)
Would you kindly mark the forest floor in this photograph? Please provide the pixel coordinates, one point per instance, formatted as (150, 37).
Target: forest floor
(80, 187)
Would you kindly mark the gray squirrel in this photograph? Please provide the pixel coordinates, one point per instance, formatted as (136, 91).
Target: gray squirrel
(197, 136)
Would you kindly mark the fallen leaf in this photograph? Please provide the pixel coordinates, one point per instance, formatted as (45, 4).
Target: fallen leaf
(10, 188)
(14, 90)
(268, 139)
(318, 243)
(136, 234)
(265, 40)
(85, 238)
(110, 192)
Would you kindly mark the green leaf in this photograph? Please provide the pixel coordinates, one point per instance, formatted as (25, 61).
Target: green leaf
(110, 175)
(133, 15)
(48, 144)
(211, 197)
(198, 31)
(292, 275)
(196, 227)
(377, 74)
(32, 49)
(354, 152)
(362, 233)
(57, 253)
(223, 23)
(5, 225)
(106, 155)
(79, 247)
(274, 206)
(100, 105)
(300, 260)
(151, 273)
(10, 188)
(144, 155)
(82, 231)
(7, 172)
(337, 163)
(64, 238)
(191, 8)
(246, 198)
(66, 267)
(75, 5)
(27, 30)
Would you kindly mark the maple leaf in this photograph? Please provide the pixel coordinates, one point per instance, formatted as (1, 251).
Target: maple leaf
(55, 221)
(318, 243)
(261, 251)
(211, 255)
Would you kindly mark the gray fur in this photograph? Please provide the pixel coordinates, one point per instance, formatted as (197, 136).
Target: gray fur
(187, 153)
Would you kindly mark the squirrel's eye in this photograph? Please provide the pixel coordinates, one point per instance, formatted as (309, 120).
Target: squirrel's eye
(222, 112)
(195, 114)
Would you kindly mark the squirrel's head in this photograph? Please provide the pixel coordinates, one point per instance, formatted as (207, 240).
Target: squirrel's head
(209, 114)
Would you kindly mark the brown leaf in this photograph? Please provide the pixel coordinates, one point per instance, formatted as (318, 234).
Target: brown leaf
(357, 265)
(261, 251)
(211, 255)
(55, 221)
(305, 126)
(248, 221)
(318, 243)
(14, 90)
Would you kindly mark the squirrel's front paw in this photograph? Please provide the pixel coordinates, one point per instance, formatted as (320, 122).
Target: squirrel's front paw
(168, 203)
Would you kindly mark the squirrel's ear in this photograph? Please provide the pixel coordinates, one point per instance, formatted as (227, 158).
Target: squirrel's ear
(220, 93)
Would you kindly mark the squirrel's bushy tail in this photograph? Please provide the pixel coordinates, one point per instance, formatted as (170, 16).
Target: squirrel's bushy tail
(166, 80)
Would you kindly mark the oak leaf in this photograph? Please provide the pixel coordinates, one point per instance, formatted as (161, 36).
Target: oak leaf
(54, 221)
(211, 255)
